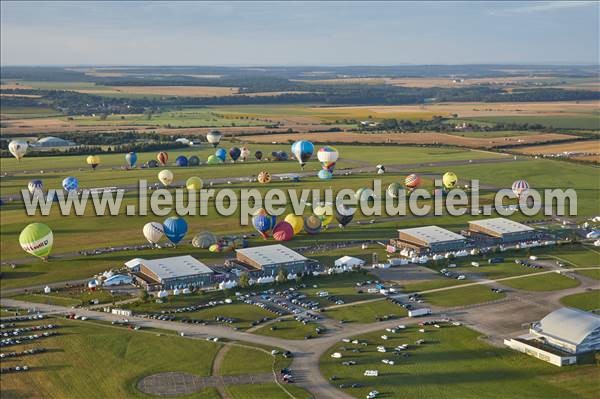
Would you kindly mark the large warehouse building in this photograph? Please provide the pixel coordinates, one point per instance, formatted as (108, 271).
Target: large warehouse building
(267, 260)
(170, 273)
(429, 239)
(505, 230)
(560, 336)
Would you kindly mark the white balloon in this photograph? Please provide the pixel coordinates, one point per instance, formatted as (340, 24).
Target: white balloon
(153, 232)
(165, 177)
(18, 148)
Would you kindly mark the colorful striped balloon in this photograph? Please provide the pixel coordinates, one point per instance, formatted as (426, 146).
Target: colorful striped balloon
(519, 187)
(412, 181)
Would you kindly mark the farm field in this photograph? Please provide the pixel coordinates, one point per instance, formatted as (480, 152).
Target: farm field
(453, 363)
(81, 349)
(568, 121)
(583, 150)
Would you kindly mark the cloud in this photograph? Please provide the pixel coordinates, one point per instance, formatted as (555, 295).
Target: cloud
(540, 7)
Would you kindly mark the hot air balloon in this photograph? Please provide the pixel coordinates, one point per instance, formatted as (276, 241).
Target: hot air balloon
(312, 224)
(325, 213)
(393, 189)
(263, 222)
(380, 169)
(37, 239)
(264, 177)
(412, 181)
(131, 159)
(193, 160)
(324, 174)
(343, 217)
(204, 240)
(244, 153)
(221, 154)
(328, 157)
(152, 163)
(93, 161)
(181, 161)
(175, 229)
(162, 158)
(194, 183)
(153, 231)
(213, 160)
(449, 180)
(215, 248)
(234, 153)
(364, 194)
(70, 183)
(214, 138)
(297, 222)
(258, 155)
(519, 187)
(165, 176)
(35, 185)
(303, 150)
(18, 148)
(280, 155)
(283, 231)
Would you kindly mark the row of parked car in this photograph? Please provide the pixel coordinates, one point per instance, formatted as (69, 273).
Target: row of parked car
(398, 302)
(21, 340)
(31, 351)
(16, 319)
(527, 264)
(5, 370)
(20, 331)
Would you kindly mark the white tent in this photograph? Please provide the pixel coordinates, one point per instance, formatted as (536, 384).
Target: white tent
(47, 290)
(348, 261)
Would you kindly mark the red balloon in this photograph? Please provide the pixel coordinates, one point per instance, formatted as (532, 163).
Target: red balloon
(283, 231)
(163, 158)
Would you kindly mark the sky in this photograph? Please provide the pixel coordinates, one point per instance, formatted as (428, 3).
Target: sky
(298, 33)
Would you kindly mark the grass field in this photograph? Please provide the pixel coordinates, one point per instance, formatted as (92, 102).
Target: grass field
(589, 300)
(462, 296)
(544, 282)
(245, 314)
(595, 274)
(95, 361)
(245, 360)
(287, 329)
(453, 363)
(72, 297)
(264, 391)
(366, 312)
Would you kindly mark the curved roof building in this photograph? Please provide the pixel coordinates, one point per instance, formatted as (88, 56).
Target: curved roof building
(571, 330)
(51, 141)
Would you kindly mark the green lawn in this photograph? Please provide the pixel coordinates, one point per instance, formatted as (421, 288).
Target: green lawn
(462, 296)
(453, 363)
(589, 300)
(366, 312)
(264, 391)
(287, 329)
(90, 360)
(72, 297)
(245, 314)
(543, 282)
(244, 360)
(592, 273)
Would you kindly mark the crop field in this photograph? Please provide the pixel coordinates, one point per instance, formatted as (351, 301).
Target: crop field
(579, 150)
(582, 121)
(7, 113)
(71, 367)
(453, 363)
(167, 91)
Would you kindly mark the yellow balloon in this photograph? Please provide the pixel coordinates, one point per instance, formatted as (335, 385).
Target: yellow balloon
(325, 213)
(449, 180)
(297, 222)
(194, 183)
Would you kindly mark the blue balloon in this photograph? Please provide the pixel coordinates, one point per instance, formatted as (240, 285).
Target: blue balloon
(235, 153)
(325, 174)
(175, 229)
(303, 150)
(181, 161)
(221, 154)
(131, 159)
(70, 183)
(263, 222)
